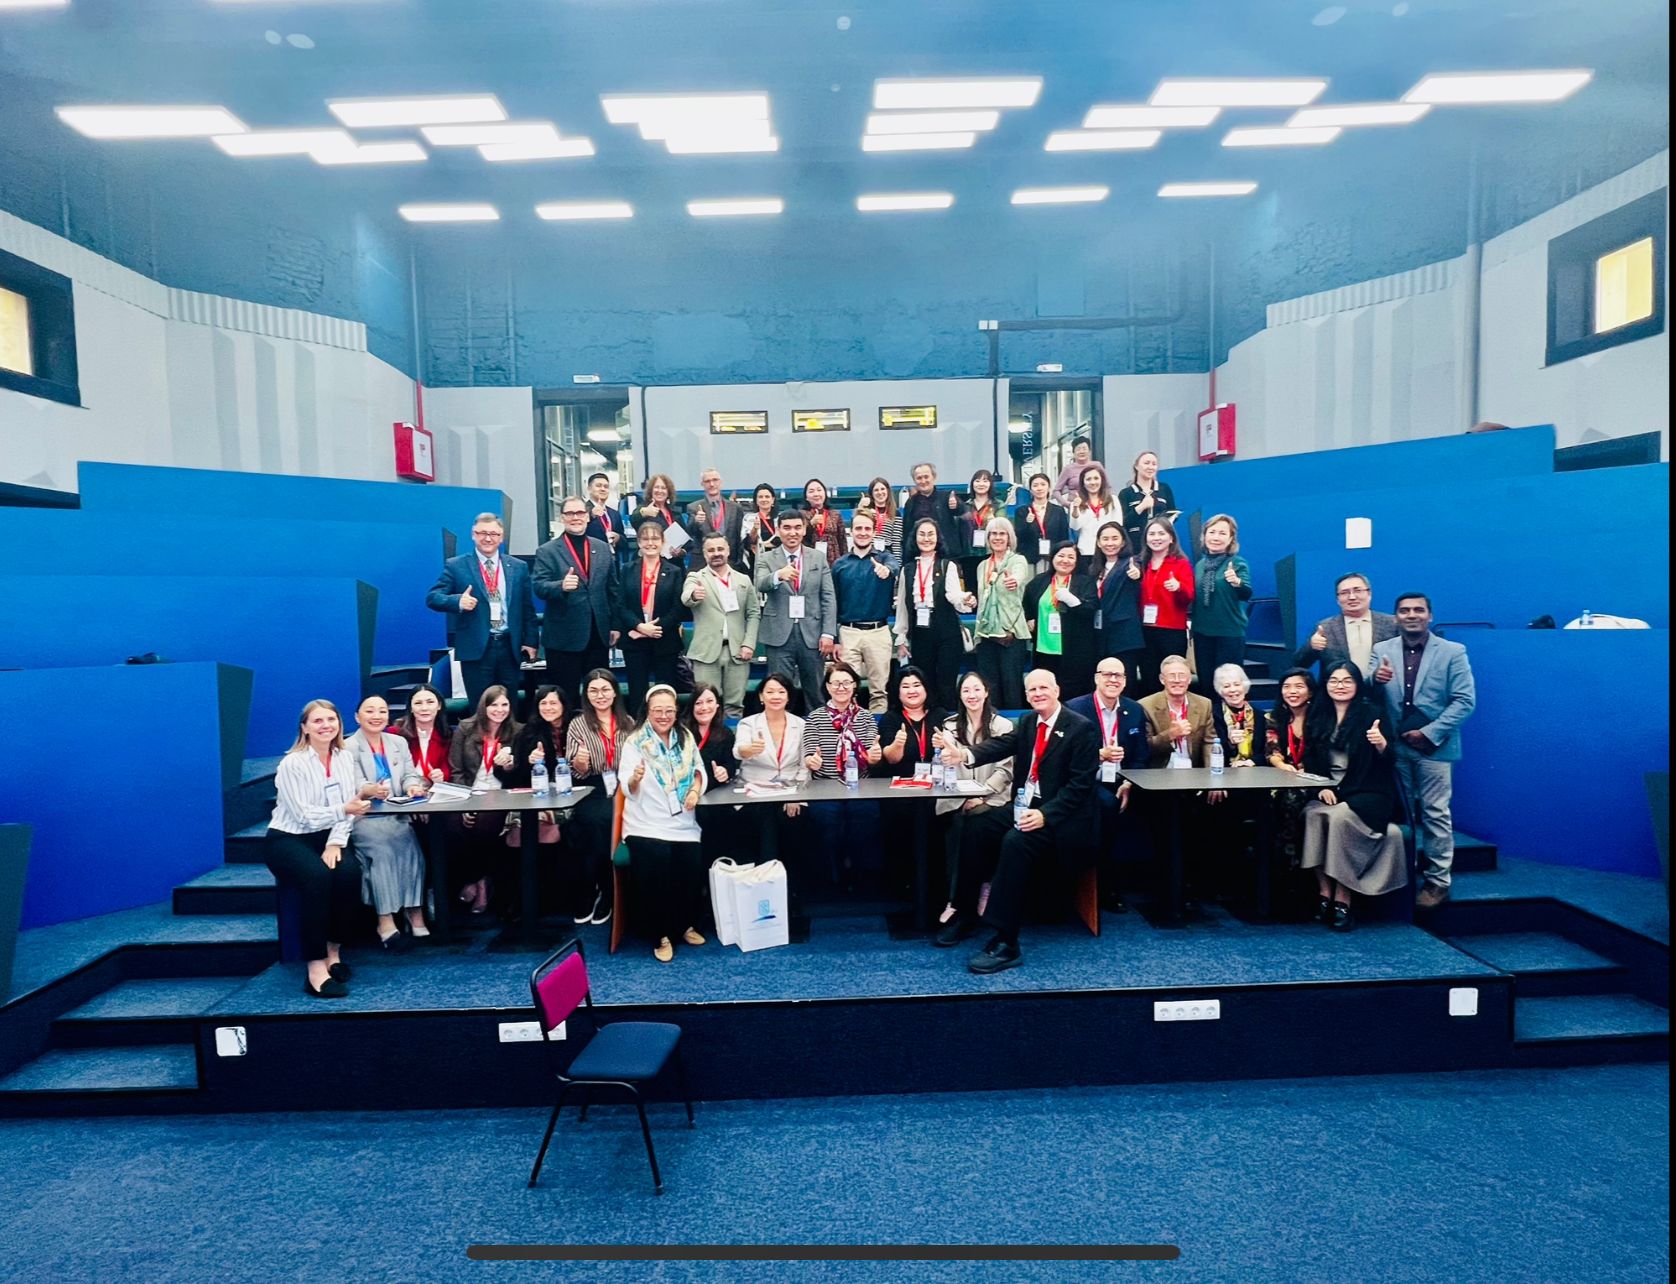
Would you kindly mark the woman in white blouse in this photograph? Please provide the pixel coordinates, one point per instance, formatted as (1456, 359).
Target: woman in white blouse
(316, 805)
(1092, 508)
(663, 779)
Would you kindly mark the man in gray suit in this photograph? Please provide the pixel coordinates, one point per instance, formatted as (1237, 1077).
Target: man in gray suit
(714, 515)
(725, 615)
(1429, 692)
(576, 576)
(799, 608)
(1353, 632)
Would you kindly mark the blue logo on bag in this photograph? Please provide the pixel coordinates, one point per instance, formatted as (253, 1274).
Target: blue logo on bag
(765, 911)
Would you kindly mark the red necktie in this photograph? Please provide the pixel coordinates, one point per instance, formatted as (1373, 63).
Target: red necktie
(1041, 747)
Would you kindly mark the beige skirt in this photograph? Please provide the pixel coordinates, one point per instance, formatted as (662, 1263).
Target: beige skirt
(1336, 841)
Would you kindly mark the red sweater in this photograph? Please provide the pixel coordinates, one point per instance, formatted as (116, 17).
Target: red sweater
(1172, 607)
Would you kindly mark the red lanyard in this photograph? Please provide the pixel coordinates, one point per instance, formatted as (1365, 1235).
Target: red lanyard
(923, 572)
(705, 738)
(1056, 587)
(1100, 583)
(611, 745)
(648, 586)
(378, 748)
(779, 749)
(668, 517)
(585, 558)
(820, 524)
(1040, 518)
(490, 748)
(1180, 715)
(329, 757)
(1108, 735)
(491, 577)
(980, 516)
(1041, 748)
(767, 524)
(919, 735)
(1096, 509)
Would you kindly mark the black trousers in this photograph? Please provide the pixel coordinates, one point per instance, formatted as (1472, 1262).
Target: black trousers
(645, 664)
(565, 668)
(669, 886)
(500, 666)
(1003, 666)
(585, 851)
(331, 898)
(1211, 652)
(1159, 643)
(939, 656)
(1123, 838)
(1022, 854)
(974, 846)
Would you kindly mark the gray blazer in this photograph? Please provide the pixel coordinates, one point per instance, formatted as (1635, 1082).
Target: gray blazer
(705, 645)
(820, 603)
(1384, 626)
(403, 773)
(1444, 693)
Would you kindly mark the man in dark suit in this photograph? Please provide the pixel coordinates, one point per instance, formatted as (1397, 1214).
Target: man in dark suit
(714, 515)
(577, 577)
(1056, 757)
(1353, 632)
(1123, 731)
(492, 616)
(604, 521)
(942, 507)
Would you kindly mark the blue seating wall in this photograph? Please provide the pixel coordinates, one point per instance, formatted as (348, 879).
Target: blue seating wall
(121, 824)
(402, 562)
(300, 637)
(1567, 724)
(137, 488)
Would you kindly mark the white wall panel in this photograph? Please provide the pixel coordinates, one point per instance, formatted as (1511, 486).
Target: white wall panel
(486, 437)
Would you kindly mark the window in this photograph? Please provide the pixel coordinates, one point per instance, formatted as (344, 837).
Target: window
(1606, 281)
(37, 331)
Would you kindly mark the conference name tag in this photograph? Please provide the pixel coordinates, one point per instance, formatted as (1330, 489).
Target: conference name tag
(495, 611)
(922, 617)
(1108, 773)
(676, 805)
(610, 779)
(1044, 548)
(1149, 613)
(1180, 760)
(978, 538)
(1032, 791)
(334, 793)
(1099, 621)
(1056, 626)
(796, 606)
(728, 598)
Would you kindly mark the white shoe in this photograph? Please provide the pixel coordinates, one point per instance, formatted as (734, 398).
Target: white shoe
(587, 915)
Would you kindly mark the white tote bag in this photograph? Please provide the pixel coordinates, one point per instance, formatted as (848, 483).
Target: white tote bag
(761, 899)
(722, 873)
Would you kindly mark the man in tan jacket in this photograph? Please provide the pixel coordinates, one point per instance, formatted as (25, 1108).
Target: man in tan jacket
(725, 611)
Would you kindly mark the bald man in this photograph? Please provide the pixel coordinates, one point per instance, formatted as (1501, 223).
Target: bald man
(1056, 759)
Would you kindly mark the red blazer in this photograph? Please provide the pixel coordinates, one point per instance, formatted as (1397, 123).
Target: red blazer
(1172, 607)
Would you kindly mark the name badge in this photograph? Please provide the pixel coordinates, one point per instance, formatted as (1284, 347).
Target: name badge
(1056, 626)
(1044, 548)
(676, 805)
(495, 611)
(1149, 613)
(1032, 791)
(922, 617)
(1099, 621)
(610, 779)
(1180, 760)
(728, 598)
(1108, 773)
(334, 793)
(978, 537)
(796, 606)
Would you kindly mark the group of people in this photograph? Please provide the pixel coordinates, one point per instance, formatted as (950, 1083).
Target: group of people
(890, 638)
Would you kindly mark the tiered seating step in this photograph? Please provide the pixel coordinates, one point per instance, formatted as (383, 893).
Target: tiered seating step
(1575, 1017)
(246, 887)
(159, 1068)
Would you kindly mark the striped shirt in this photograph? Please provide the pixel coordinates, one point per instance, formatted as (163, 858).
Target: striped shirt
(583, 736)
(821, 736)
(301, 804)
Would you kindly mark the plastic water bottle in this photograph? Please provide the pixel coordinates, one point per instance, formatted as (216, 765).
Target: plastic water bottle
(939, 771)
(1216, 763)
(852, 774)
(561, 776)
(1588, 620)
(1021, 804)
(538, 778)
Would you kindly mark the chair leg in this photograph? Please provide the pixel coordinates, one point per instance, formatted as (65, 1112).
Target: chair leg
(587, 1099)
(686, 1092)
(547, 1136)
(646, 1132)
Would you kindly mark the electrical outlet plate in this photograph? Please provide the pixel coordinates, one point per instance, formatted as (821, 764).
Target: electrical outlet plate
(1463, 1001)
(528, 1032)
(230, 1041)
(1188, 1010)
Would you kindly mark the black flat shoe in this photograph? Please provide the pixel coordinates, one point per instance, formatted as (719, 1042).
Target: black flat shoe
(1343, 919)
(997, 956)
(329, 989)
(1323, 910)
(956, 930)
(396, 943)
(340, 971)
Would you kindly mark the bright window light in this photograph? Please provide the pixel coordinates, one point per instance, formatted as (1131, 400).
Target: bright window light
(1624, 286)
(285, 142)
(151, 122)
(934, 122)
(1102, 140)
(534, 131)
(456, 109)
(1280, 136)
(915, 142)
(1498, 87)
(17, 348)
(459, 213)
(1353, 114)
(995, 91)
(1125, 116)
(370, 154)
(631, 109)
(742, 205)
(1236, 93)
(719, 142)
(1207, 189)
(904, 201)
(1060, 195)
(555, 148)
(561, 211)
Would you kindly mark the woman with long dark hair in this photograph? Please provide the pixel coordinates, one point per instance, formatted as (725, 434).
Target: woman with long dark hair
(1285, 740)
(929, 599)
(823, 526)
(976, 826)
(480, 756)
(980, 506)
(594, 744)
(761, 533)
(392, 865)
(425, 728)
(882, 500)
(1059, 607)
(1166, 584)
(723, 832)
(1117, 599)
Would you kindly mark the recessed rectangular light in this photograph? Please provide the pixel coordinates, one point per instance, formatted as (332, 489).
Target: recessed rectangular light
(657, 129)
(369, 154)
(1252, 92)
(1498, 87)
(1207, 189)
(554, 148)
(34, 4)
(743, 205)
(533, 131)
(284, 142)
(1127, 116)
(1355, 114)
(1281, 136)
(452, 109)
(933, 122)
(561, 211)
(988, 91)
(715, 143)
(1102, 140)
(631, 109)
(458, 213)
(1060, 195)
(904, 201)
(151, 122)
(916, 142)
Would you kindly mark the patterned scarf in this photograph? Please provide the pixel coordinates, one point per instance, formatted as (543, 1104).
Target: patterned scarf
(674, 767)
(844, 724)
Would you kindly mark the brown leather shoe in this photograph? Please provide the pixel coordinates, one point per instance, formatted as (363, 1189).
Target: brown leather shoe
(1431, 896)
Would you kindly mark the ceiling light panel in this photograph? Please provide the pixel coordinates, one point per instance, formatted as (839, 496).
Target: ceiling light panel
(631, 109)
(457, 213)
(697, 124)
(1498, 87)
(934, 122)
(719, 142)
(993, 91)
(1127, 116)
(736, 206)
(34, 4)
(904, 201)
(1207, 189)
(916, 142)
(1102, 140)
(456, 109)
(1237, 93)
(1281, 136)
(151, 122)
(563, 211)
(1060, 195)
(369, 154)
(1352, 115)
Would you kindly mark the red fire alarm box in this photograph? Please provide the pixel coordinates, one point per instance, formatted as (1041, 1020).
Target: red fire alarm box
(414, 458)
(1216, 432)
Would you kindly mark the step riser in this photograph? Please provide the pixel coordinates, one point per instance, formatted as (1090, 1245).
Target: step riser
(244, 851)
(1559, 1053)
(1547, 985)
(249, 804)
(225, 900)
(113, 1032)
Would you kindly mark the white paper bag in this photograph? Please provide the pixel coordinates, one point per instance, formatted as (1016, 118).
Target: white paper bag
(761, 899)
(722, 873)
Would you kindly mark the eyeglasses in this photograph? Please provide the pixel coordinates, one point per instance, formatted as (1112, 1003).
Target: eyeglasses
(574, 512)
(1107, 673)
(1341, 680)
(1353, 592)
(839, 684)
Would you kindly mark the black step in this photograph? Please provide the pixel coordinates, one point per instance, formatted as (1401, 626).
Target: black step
(1473, 855)
(246, 887)
(247, 846)
(385, 678)
(1589, 1029)
(253, 800)
(1545, 963)
(1255, 669)
(105, 1071)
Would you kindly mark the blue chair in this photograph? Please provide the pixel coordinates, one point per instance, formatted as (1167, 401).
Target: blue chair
(623, 1054)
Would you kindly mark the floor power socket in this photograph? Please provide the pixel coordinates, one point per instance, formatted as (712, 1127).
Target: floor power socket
(1188, 1010)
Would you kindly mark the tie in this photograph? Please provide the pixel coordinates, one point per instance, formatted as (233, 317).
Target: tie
(1041, 747)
